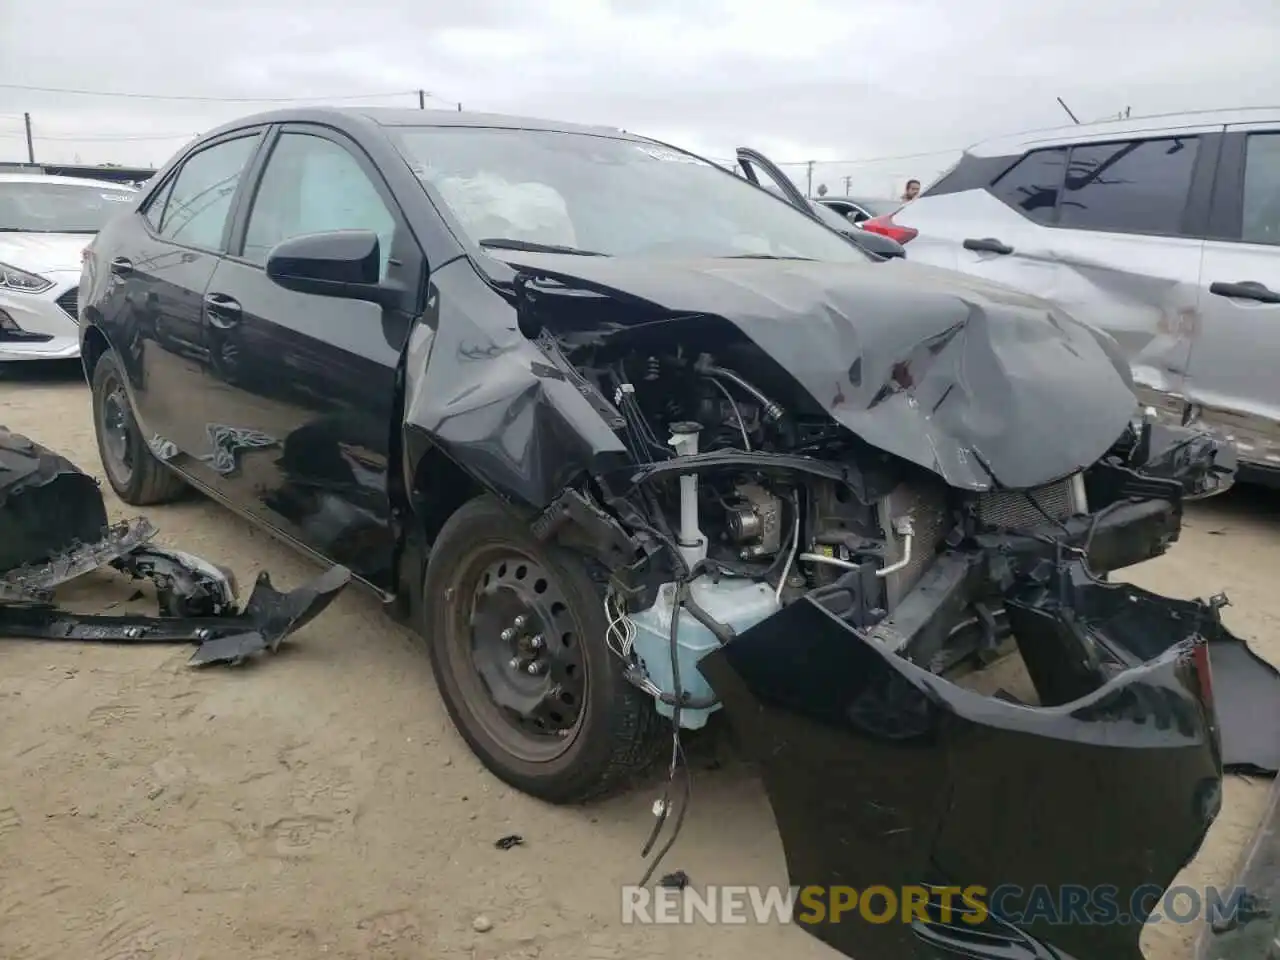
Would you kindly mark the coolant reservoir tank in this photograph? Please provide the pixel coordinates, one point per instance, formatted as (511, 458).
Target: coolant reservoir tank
(736, 603)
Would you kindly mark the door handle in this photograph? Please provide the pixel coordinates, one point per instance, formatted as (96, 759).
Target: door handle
(223, 311)
(122, 266)
(1245, 290)
(987, 245)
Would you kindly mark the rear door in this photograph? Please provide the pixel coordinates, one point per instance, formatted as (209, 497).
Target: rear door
(301, 393)
(159, 262)
(1111, 231)
(1232, 374)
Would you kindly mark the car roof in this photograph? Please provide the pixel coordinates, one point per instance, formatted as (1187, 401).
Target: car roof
(51, 178)
(1187, 122)
(405, 117)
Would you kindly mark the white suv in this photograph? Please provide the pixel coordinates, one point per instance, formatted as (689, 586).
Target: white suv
(45, 223)
(1163, 231)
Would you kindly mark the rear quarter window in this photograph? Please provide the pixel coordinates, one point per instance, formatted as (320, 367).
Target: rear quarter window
(1032, 185)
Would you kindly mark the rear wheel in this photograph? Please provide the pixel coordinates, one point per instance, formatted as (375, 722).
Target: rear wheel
(516, 635)
(134, 473)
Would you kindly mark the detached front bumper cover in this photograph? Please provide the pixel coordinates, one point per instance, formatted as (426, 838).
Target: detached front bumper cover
(883, 774)
(54, 529)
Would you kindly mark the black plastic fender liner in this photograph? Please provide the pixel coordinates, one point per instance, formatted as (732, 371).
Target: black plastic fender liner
(47, 503)
(267, 618)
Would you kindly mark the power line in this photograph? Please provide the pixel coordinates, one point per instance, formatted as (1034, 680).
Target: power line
(194, 99)
(187, 135)
(902, 156)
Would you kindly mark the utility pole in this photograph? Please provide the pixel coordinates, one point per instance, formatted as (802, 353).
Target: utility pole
(31, 149)
(459, 108)
(422, 99)
(809, 191)
(847, 182)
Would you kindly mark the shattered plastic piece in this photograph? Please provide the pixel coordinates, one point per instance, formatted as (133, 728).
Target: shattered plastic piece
(676, 880)
(273, 616)
(33, 582)
(54, 528)
(509, 841)
(47, 504)
(267, 618)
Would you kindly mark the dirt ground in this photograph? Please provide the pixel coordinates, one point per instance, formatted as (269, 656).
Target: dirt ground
(320, 803)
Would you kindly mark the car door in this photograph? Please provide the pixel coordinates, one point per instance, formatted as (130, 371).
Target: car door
(1231, 376)
(160, 262)
(301, 394)
(1127, 242)
(763, 172)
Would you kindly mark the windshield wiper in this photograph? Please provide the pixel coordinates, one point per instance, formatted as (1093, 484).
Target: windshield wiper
(533, 246)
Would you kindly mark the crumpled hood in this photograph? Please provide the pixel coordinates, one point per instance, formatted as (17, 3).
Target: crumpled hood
(977, 382)
(42, 252)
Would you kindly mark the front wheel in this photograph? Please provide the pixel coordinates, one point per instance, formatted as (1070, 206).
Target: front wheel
(516, 634)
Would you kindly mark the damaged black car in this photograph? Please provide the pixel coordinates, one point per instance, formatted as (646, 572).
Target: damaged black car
(630, 441)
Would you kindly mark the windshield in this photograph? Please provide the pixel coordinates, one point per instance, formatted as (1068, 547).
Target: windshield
(608, 196)
(32, 207)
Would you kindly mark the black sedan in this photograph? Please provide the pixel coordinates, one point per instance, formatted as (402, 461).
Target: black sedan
(629, 441)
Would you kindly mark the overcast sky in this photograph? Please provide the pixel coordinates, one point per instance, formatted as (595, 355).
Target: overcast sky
(828, 80)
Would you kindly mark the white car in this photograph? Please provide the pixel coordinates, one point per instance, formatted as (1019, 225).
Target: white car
(45, 223)
(1162, 231)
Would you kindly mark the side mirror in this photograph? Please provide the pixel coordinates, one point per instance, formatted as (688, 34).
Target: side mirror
(340, 263)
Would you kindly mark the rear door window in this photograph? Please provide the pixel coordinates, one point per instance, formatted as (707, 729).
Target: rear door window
(1140, 186)
(1261, 207)
(200, 200)
(1031, 186)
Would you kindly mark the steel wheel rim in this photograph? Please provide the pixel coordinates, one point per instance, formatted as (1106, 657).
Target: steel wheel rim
(115, 419)
(534, 715)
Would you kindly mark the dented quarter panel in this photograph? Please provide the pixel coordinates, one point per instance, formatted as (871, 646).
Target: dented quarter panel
(490, 399)
(1142, 290)
(883, 774)
(977, 382)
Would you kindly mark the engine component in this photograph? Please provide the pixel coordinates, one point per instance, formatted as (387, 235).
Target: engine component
(738, 604)
(693, 545)
(755, 523)
(925, 502)
(772, 411)
(1015, 509)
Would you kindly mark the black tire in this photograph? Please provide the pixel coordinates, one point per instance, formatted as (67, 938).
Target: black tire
(618, 734)
(132, 470)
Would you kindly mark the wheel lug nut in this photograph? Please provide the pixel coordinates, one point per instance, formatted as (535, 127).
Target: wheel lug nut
(534, 669)
(514, 663)
(508, 634)
(537, 642)
(520, 621)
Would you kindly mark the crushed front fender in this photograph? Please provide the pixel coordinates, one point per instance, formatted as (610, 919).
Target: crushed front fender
(883, 774)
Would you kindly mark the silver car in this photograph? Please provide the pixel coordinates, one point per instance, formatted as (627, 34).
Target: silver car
(1163, 231)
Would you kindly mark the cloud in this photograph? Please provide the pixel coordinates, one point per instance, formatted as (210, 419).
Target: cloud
(811, 79)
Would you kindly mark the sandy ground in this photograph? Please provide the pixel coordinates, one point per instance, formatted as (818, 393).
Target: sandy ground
(321, 804)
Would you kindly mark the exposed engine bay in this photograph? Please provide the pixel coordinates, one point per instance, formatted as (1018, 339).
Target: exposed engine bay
(750, 497)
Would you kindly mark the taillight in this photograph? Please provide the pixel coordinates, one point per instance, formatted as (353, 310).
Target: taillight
(1204, 672)
(887, 228)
